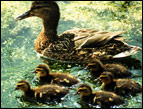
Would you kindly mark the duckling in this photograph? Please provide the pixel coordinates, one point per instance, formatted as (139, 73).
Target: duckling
(45, 76)
(43, 93)
(76, 45)
(118, 71)
(101, 98)
(119, 86)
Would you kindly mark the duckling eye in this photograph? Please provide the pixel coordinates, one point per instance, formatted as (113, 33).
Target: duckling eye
(22, 87)
(40, 70)
(92, 66)
(82, 90)
(103, 77)
(19, 85)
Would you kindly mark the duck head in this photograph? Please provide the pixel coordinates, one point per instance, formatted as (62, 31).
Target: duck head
(96, 67)
(23, 85)
(84, 90)
(106, 77)
(42, 70)
(46, 10)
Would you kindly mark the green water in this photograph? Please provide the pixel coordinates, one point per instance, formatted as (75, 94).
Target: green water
(19, 58)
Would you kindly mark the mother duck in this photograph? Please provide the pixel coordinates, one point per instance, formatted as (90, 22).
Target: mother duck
(76, 45)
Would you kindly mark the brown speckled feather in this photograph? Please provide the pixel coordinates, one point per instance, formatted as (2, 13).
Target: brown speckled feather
(120, 86)
(45, 76)
(64, 79)
(43, 93)
(102, 98)
(77, 45)
(117, 70)
(127, 86)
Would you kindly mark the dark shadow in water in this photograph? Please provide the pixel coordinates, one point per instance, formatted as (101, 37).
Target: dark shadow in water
(130, 62)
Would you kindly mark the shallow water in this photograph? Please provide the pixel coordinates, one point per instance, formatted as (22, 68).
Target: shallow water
(19, 58)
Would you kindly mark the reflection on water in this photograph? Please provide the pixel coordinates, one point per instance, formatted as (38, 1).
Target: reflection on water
(19, 58)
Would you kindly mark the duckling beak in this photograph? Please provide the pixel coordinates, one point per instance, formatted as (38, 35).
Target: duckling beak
(23, 16)
(97, 79)
(16, 88)
(102, 77)
(76, 93)
(89, 66)
(86, 68)
(34, 71)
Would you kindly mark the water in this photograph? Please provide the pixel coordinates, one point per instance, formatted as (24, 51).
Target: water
(19, 58)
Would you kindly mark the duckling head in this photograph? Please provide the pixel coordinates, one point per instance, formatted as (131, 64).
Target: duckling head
(84, 90)
(106, 77)
(96, 67)
(47, 10)
(42, 70)
(23, 85)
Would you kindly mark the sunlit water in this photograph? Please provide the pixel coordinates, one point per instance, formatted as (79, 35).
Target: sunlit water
(20, 59)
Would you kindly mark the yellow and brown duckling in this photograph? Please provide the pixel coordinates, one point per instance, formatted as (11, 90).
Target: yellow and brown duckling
(45, 76)
(43, 93)
(77, 45)
(101, 98)
(118, 71)
(119, 86)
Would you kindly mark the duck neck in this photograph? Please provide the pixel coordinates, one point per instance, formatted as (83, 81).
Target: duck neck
(100, 70)
(108, 82)
(29, 92)
(87, 98)
(50, 29)
(109, 86)
(46, 78)
(96, 73)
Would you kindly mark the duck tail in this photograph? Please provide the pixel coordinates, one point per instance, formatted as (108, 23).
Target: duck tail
(133, 50)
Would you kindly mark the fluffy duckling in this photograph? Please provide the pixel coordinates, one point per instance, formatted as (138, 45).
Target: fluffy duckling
(42, 93)
(118, 71)
(45, 76)
(101, 98)
(119, 86)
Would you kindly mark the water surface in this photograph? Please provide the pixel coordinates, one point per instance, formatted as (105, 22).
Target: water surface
(19, 58)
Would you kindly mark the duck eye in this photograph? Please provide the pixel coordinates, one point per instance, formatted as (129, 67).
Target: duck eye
(82, 90)
(23, 87)
(20, 85)
(92, 66)
(103, 77)
(40, 70)
(40, 8)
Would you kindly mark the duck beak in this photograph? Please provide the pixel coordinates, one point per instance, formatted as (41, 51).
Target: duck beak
(102, 77)
(89, 66)
(23, 16)
(34, 71)
(86, 68)
(16, 88)
(76, 93)
(97, 79)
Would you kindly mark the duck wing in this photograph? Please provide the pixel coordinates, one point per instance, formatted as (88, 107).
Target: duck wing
(87, 38)
(125, 86)
(83, 45)
(133, 50)
(103, 41)
(49, 92)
